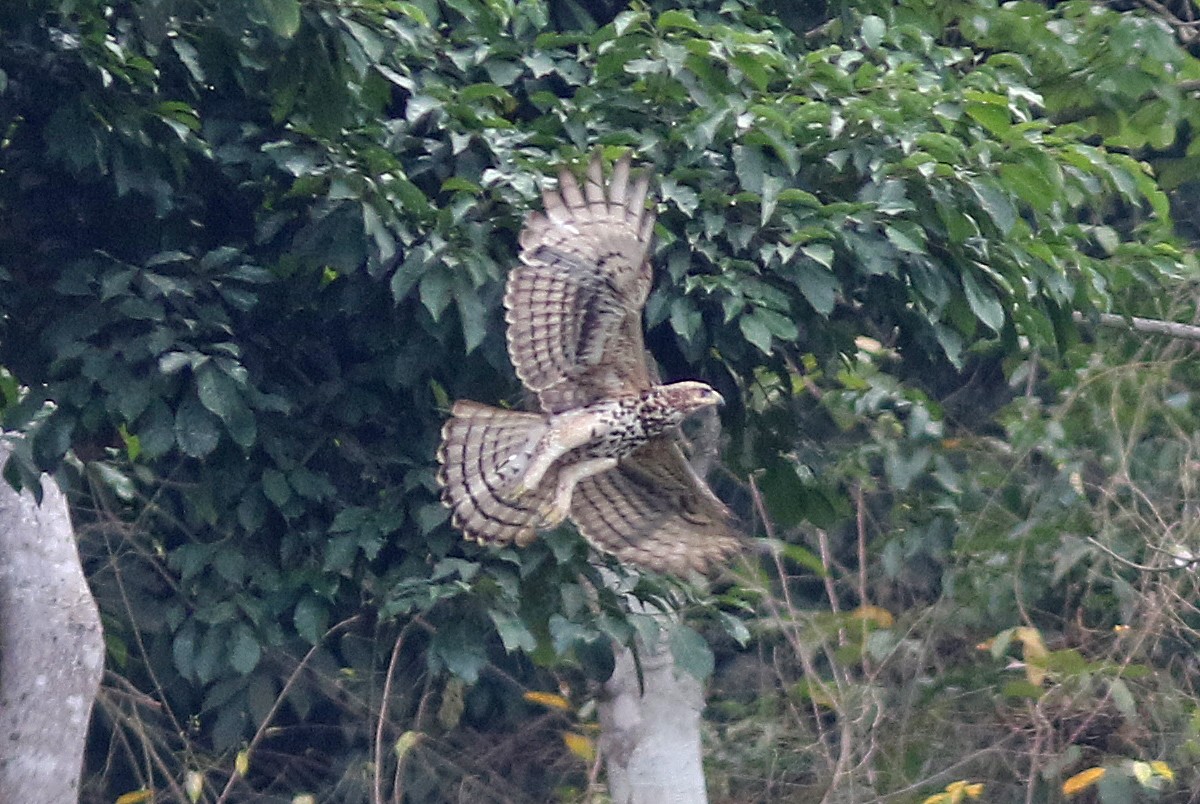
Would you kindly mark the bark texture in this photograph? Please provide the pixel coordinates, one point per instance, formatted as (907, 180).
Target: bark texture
(51, 648)
(650, 737)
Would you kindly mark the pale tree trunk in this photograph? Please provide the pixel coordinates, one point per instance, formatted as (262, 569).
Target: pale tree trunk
(650, 726)
(650, 731)
(51, 648)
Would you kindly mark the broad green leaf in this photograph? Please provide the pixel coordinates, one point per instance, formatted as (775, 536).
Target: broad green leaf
(216, 390)
(565, 633)
(778, 324)
(244, 651)
(183, 650)
(51, 439)
(1030, 184)
(748, 163)
(275, 486)
(685, 319)
(691, 653)
(678, 19)
(1123, 698)
(197, 431)
(472, 315)
(513, 632)
(435, 291)
(735, 628)
(994, 117)
(120, 483)
(282, 16)
(460, 648)
(311, 619)
(818, 286)
(873, 30)
(756, 331)
(906, 238)
(996, 204)
(340, 552)
(821, 253)
(983, 302)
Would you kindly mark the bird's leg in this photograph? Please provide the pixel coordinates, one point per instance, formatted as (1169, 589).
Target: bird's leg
(556, 509)
(567, 431)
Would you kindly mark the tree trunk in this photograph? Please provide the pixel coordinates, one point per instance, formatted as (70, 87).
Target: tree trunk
(51, 648)
(650, 737)
(650, 726)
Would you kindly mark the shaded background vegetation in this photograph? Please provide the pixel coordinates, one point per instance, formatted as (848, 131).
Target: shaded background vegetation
(249, 250)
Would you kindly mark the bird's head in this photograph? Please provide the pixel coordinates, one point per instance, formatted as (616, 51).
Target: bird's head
(690, 396)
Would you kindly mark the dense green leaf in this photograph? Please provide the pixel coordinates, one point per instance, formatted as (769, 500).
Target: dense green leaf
(196, 429)
(457, 646)
(283, 16)
(311, 619)
(691, 652)
(983, 303)
(245, 652)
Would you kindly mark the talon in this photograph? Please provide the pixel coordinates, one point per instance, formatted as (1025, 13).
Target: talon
(551, 514)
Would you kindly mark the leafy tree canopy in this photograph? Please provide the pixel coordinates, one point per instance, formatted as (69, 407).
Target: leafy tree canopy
(249, 249)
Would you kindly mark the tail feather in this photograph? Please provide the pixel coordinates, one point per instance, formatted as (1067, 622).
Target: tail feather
(483, 453)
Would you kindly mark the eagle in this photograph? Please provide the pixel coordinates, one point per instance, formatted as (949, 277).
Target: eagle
(605, 450)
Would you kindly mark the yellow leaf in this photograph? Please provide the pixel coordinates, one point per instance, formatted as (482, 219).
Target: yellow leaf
(453, 703)
(1035, 651)
(241, 763)
(580, 746)
(875, 614)
(957, 791)
(405, 743)
(1163, 770)
(1031, 638)
(135, 797)
(1142, 772)
(936, 798)
(1082, 781)
(548, 699)
(193, 785)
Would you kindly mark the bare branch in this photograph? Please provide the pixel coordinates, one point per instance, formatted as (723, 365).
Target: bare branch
(1151, 326)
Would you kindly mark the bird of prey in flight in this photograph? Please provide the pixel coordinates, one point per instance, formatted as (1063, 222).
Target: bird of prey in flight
(605, 450)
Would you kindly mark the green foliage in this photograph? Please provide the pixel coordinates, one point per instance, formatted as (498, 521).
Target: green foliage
(250, 249)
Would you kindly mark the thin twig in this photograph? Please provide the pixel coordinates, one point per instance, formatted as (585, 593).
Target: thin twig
(383, 709)
(860, 523)
(1133, 564)
(830, 589)
(279, 699)
(802, 651)
(134, 723)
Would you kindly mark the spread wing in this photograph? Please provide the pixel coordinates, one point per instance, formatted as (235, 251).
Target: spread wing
(574, 304)
(654, 511)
